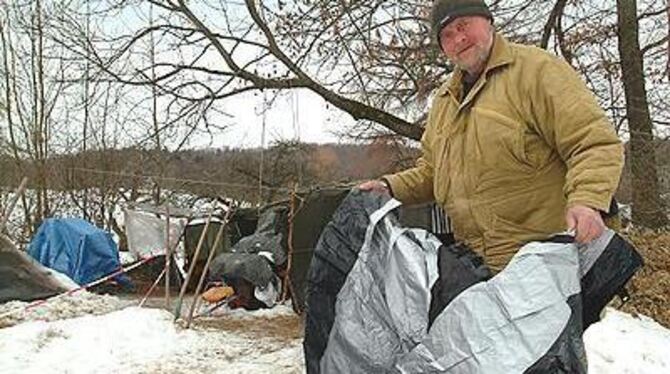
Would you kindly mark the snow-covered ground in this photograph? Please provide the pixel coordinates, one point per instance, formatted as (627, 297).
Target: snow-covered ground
(142, 340)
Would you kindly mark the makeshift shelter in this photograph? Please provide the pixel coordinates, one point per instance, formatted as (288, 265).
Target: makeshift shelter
(254, 263)
(75, 248)
(24, 279)
(312, 212)
(241, 224)
(147, 231)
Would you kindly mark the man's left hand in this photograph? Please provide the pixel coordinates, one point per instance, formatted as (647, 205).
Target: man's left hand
(587, 223)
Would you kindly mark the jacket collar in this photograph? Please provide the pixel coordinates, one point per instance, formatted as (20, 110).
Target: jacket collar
(501, 55)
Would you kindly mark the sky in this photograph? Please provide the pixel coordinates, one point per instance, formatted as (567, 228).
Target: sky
(294, 115)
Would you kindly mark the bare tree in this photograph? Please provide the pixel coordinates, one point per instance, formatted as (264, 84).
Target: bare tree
(647, 205)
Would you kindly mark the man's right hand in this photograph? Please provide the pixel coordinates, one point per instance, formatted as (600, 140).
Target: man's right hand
(375, 186)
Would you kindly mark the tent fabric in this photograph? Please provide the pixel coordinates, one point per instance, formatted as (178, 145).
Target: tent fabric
(270, 236)
(24, 279)
(147, 233)
(372, 288)
(315, 211)
(76, 248)
(253, 268)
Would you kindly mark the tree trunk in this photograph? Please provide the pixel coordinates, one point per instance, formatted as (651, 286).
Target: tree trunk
(647, 204)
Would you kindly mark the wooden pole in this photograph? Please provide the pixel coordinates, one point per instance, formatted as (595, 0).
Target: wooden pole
(153, 286)
(210, 257)
(168, 256)
(203, 235)
(289, 261)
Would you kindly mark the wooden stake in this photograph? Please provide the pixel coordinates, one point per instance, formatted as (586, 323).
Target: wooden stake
(168, 257)
(177, 310)
(153, 286)
(210, 257)
(289, 260)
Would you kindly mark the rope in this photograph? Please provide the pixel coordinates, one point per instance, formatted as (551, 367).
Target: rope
(183, 180)
(70, 292)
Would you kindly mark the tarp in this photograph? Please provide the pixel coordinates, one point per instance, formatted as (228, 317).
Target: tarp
(387, 299)
(147, 233)
(75, 248)
(314, 212)
(22, 278)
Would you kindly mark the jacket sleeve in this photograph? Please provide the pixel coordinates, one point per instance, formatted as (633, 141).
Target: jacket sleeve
(415, 185)
(568, 117)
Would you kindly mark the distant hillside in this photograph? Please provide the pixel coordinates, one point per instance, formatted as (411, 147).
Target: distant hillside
(211, 172)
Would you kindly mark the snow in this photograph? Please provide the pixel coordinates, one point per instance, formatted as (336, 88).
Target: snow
(75, 305)
(141, 340)
(621, 343)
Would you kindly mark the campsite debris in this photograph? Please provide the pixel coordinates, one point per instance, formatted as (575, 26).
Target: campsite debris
(216, 294)
(226, 219)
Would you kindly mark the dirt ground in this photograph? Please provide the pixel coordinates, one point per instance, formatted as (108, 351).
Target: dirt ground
(282, 328)
(650, 287)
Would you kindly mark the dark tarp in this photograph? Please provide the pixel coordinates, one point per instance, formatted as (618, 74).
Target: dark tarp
(22, 278)
(369, 300)
(255, 258)
(269, 237)
(314, 212)
(243, 223)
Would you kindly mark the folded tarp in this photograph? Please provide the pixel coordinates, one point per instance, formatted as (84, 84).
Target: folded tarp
(370, 309)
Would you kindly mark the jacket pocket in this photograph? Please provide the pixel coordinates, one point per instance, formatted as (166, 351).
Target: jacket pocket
(497, 141)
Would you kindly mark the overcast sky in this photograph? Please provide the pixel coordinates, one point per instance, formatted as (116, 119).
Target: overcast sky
(296, 114)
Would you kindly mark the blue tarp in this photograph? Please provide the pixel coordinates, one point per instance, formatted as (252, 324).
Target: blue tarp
(76, 248)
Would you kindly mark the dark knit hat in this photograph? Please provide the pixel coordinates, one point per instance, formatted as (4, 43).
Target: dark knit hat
(445, 11)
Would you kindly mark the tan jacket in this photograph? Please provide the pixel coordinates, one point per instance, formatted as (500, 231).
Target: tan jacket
(527, 141)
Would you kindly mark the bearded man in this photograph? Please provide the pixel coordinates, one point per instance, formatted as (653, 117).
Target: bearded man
(516, 147)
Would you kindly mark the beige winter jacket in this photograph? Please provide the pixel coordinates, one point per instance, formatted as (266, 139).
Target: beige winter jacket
(528, 140)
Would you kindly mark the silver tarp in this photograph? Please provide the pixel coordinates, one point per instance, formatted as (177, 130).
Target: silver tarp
(503, 325)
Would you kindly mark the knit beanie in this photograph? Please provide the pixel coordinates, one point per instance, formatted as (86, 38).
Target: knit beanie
(445, 11)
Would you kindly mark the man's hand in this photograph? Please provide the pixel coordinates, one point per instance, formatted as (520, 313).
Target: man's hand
(375, 186)
(586, 221)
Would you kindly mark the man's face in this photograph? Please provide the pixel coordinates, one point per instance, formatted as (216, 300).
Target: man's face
(467, 42)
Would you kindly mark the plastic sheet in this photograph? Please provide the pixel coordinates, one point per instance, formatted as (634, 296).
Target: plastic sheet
(375, 303)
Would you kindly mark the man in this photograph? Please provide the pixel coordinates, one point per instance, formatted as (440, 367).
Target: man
(516, 148)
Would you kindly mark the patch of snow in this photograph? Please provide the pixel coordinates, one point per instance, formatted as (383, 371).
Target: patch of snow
(75, 305)
(127, 257)
(621, 343)
(138, 340)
